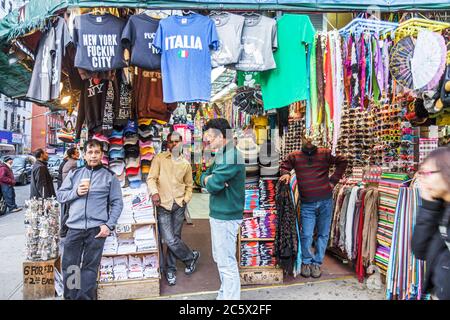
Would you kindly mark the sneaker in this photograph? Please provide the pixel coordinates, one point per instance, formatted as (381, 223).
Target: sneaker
(171, 278)
(15, 210)
(191, 267)
(306, 270)
(315, 271)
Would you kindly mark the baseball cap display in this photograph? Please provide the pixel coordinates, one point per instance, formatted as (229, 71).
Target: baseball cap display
(133, 162)
(148, 156)
(132, 172)
(132, 151)
(135, 184)
(105, 160)
(116, 141)
(116, 134)
(115, 147)
(100, 137)
(132, 139)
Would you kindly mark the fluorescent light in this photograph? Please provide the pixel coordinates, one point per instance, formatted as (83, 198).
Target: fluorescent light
(66, 99)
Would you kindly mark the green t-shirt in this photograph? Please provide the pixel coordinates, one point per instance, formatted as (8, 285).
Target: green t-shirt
(248, 78)
(288, 83)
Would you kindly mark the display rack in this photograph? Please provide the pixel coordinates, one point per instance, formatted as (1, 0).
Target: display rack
(132, 288)
(253, 275)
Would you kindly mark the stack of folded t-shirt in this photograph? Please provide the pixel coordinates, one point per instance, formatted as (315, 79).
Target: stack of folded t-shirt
(267, 193)
(126, 246)
(135, 270)
(251, 195)
(144, 238)
(111, 245)
(151, 265)
(106, 269)
(120, 268)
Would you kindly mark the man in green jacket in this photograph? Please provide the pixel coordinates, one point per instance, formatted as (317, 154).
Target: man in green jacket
(225, 181)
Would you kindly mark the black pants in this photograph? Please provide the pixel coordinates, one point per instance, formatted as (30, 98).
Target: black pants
(10, 196)
(80, 263)
(170, 226)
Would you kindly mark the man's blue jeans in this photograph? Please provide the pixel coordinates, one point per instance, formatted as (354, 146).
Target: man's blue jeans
(9, 195)
(315, 214)
(223, 238)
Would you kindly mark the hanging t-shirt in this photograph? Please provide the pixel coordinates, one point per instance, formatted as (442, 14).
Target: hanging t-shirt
(98, 41)
(288, 83)
(248, 79)
(138, 36)
(185, 43)
(259, 38)
(229, 28)
(46, 77)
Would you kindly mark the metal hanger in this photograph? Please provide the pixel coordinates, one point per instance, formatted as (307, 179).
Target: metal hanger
(188, 12)
(251, 14)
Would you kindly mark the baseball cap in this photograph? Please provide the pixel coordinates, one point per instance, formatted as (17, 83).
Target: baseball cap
(145, 133)
(135, 184)
(105, 161)
(116, 140)
(132, 172)
(144, 144)
(117, 154)
(145, 168)
(132, 139)
(133, 162)
(100, 137)
(132, 151)
(147, 150)
(115, 147)
(117, 166)
(7, 158)
(116, 134)
(148, 156)
(145, 121)
(131, 128)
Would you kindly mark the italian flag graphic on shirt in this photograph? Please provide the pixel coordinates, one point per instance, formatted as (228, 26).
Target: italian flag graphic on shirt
(183, 53)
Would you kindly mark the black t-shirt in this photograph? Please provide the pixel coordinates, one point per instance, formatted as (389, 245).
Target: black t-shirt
(98, 42)
(138, 36)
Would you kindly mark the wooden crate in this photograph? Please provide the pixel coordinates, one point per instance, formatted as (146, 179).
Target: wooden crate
(130, 289)
(261, 276)
(39, 279)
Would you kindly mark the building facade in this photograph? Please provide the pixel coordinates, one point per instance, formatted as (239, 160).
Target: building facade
(15, 115)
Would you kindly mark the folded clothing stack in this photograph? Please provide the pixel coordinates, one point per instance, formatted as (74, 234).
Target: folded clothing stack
(250, 228)
(144, 238)
(106, 269)
(268, 226)
(126, 246)
(151, 265)
(257, 254)
(111, 245)
(144, 215)
(127, 215)
(120, 268)
(135, 270)
(251, 196)
(117, 155)
(267, 193)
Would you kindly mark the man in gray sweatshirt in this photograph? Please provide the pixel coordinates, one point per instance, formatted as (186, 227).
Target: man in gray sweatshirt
(94, 197)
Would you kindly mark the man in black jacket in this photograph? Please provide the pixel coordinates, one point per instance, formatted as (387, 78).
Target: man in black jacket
(41, 179)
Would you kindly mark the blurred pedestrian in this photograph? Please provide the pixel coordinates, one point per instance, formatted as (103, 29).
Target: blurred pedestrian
(431, 238)
(7, 183)
(41, 179)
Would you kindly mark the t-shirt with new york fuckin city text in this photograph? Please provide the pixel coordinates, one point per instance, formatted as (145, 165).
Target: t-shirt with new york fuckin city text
(185, 43)
(98, 42)
(138, 36)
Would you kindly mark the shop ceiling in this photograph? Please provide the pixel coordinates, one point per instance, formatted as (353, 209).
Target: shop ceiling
(14, 77)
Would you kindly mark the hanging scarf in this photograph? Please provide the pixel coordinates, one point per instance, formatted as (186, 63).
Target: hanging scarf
(362, 71)
(308, 119)
(355, 74)
(320, 80)
(328, 83)
(378, 71)
(339, 92)
(385, 57)
(348, 45)
(313, 84)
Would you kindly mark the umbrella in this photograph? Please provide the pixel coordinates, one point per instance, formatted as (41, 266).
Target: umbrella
(428, 62)
(418, 64)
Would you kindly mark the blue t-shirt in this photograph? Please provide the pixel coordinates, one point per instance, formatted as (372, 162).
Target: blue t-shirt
(185, 43)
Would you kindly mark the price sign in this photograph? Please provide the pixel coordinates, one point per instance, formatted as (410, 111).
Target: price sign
(123, 228)
(259, 213)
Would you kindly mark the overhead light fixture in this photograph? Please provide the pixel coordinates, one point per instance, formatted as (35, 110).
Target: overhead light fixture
(66, 99)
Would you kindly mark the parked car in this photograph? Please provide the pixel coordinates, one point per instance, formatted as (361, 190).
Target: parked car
(53, 165)
(21, 168)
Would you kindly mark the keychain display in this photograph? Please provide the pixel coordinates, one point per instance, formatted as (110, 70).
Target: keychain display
(42, 229)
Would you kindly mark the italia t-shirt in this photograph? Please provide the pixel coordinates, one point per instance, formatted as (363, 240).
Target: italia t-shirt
(288, 83)
(185, 43)
(98, 42)
(138, 36)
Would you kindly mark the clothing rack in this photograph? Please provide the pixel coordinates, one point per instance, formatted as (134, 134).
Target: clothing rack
(360, 25)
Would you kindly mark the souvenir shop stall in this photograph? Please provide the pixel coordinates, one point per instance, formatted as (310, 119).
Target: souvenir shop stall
(377, 92)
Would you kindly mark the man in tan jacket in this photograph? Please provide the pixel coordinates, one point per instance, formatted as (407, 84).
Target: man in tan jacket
(170, 184)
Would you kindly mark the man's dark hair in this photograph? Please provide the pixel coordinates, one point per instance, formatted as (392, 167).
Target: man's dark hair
(71, 152)
(38, 153)
(93, 143)
(220, 124)
(174, 133)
